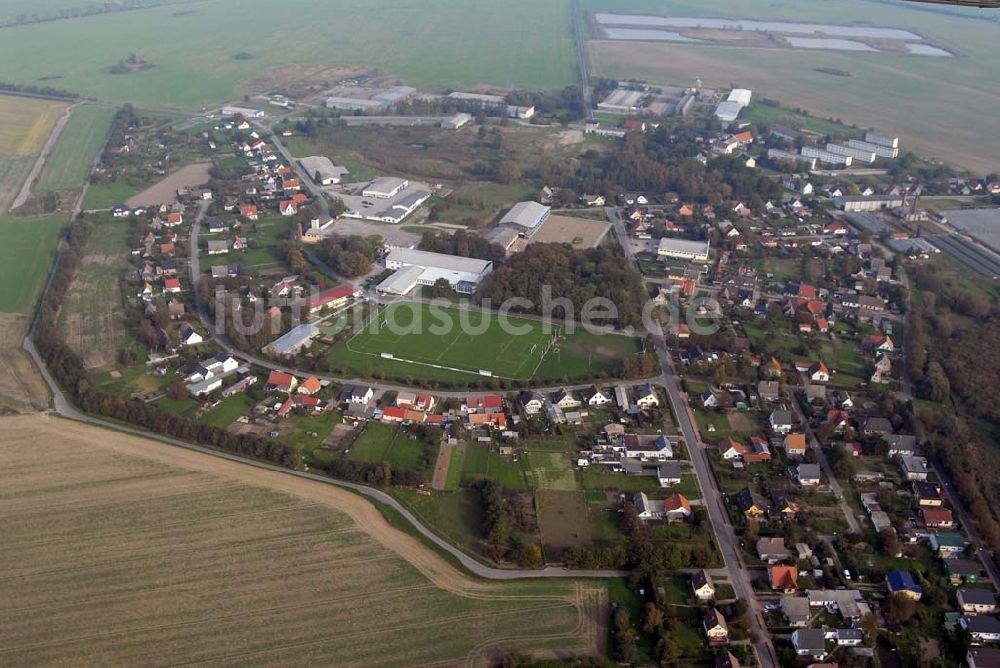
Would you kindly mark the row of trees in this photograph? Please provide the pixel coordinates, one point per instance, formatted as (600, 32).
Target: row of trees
(68, 369)
(953, 340)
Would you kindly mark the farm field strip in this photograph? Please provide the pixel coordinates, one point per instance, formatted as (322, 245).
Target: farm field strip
(134, 544)
(29, 246)
(68, 166)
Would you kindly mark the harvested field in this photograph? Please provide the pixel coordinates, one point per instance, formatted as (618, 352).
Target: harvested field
(578, 232)
(21, 386)
(165, 192)
(130, 545)
(25, 123)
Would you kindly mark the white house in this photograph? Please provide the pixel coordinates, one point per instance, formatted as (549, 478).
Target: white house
(531, 403)
(781, 422)
(362, 394)
(702, 585)
(977, 601)
(564, 399)
(189, 337)
(645, 396)
(595, 397)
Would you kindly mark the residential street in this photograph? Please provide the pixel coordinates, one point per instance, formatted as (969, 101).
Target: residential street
(725, 536)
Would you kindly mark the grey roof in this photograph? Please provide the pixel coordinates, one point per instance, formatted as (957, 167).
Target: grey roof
(669, 471)
(411, 256)
(294, 339)
(811, 471)
(319, 163)
(811, 639)
(977, 596)
(684, 245)
(528, 215)
(982, 624)
(384, 184)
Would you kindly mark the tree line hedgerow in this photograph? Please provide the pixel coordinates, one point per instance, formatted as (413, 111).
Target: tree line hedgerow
(68, 369)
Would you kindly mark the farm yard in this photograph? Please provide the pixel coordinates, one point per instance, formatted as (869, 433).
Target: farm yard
(519, 43)
(80, 142)
(428, 342)
(211, 547)
(923, 89)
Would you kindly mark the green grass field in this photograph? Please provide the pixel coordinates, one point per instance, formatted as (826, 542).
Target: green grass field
(81, 140)
(92, 316)
(107, 195)
(429, 342)
(913, 96)
(26, 255)
(516, 43)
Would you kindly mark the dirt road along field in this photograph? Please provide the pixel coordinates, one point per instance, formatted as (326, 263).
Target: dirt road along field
(122, 550)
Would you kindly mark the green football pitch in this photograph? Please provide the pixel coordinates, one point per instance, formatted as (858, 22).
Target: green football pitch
(456, 340)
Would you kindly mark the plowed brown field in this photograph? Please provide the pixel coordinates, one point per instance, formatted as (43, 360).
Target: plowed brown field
(119, 550)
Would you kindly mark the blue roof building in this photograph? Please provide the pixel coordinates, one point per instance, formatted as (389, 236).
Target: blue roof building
(901, 582)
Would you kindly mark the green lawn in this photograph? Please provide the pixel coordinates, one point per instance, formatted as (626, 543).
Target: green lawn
(107, 195)
(373, 443)
(551, 471)
(455, 516)
(481, 462)
(601, 477)
(80, 142)
(26, 255)
(517, 43)
(227, 411)
(432, 343)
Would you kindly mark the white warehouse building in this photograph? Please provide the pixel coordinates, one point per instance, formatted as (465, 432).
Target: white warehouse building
(684, 249)
(877, 149)
(385, 187)
(417, 267)
(322, 170)
(882, 140)
(856, 153)
(825, 156)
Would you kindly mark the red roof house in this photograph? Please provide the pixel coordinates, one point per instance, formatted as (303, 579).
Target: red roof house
(281, 381)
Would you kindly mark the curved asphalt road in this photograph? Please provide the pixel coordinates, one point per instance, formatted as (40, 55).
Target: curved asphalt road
(65, 409)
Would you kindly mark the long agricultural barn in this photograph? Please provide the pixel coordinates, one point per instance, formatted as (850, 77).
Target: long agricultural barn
(322, 170)
(526, 217)
(417, 267)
